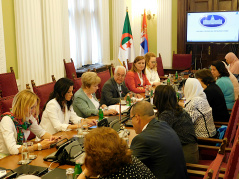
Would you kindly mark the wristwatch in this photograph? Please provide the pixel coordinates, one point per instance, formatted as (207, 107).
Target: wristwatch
(39, 146)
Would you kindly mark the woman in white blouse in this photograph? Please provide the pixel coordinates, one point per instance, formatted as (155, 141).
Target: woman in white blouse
(199, 109)
(85, 103)
(15, 127)
(151, 69)
(59, 111)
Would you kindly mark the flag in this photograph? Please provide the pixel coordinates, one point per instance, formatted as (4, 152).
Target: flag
(126, 49)
(144, 46)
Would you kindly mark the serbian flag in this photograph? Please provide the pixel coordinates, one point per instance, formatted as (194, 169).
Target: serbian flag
(144, 46)
(126, 49)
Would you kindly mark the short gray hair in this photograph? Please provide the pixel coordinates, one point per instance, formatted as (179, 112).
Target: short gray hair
(117, 67)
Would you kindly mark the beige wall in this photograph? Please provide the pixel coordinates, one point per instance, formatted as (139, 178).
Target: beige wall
(9, 35)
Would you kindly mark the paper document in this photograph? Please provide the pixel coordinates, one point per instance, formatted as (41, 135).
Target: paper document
(116, 107)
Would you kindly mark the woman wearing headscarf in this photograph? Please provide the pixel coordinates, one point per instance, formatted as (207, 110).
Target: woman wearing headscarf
(199, 109)
(234, 81)
(233, 62)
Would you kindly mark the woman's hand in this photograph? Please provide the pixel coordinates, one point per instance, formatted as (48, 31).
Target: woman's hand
(103, 106)
(46, 143)
(156, 83)
(140, 88)
(110, 112)
(91, 122)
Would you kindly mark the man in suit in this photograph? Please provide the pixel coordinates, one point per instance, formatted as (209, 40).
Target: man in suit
(115, 88)
(157, 144)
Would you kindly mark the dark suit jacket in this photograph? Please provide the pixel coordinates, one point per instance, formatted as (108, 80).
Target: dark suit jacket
(110, 93)
(159, 148)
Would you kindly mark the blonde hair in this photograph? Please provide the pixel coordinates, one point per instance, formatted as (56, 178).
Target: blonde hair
(89, 78)
(22, 103)
(137, 59)
(147, 57)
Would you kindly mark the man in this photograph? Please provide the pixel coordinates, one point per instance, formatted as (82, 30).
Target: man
(115, 88)
(156, 145)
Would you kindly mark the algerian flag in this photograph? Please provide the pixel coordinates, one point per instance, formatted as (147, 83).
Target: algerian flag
(126, 49)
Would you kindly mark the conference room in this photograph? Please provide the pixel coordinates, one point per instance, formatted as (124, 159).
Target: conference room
(44, 41)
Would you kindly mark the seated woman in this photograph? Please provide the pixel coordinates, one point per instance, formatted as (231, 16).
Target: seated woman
(233, 62)
(151, 69)
(108, 156)
(85, 103)
(165, 101)
(198, 108)
(214, 95)
(15, 127)
(221, 74)
(58, 111)
(136, 79)
(234, 81)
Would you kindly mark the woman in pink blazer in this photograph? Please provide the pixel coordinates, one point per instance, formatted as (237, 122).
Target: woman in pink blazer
(136, 79)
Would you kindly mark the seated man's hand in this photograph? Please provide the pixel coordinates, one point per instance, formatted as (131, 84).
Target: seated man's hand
(139, 96)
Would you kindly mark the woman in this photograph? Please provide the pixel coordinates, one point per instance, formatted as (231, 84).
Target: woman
(151, 69)
(15, 127)
(136, 79)
(198, 108)
(214, 95)
(234, 81)
(58, 111)
(108, 156)
(220, 72)
(85, 103)
(233, 62)
(165, 101)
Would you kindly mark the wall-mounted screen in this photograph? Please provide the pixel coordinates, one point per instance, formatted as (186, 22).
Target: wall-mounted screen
(213, 27)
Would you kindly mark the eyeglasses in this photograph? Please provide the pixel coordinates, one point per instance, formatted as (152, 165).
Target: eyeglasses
(131, 117)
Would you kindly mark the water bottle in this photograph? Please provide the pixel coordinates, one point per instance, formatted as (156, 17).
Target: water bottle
(25, 152)
(128, 100)
(147, 92)
(78, 169)
(101, 114)
(168, 81)
(176, 76)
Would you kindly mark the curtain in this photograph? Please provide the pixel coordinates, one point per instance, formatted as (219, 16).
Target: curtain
(2, 44)
(41, 40)
(85, 31)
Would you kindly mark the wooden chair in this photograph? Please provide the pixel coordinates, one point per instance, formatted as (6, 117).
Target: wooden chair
(70, 69)
(8, 84)
(112, 68)
(160, 65)
(104, 76)
(77, 84)
(182, 61)
(6, 104)
(129, 65)
(43, 92)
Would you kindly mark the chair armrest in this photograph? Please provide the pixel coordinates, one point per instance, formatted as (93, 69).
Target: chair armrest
(213, 140)
(220, 123)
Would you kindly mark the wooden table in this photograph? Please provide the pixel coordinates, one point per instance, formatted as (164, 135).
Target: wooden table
(10, 162)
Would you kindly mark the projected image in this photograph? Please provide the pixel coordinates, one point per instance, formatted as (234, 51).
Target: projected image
(213, 27)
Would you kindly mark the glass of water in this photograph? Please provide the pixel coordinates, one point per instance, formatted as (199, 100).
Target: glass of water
(32, 156)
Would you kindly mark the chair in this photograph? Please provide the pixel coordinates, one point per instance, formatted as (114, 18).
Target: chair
(43, 92)
(70, 69)
(129, 64)
(6, 104)
(104, 76)
(8, 84)
(112, 68)
(77, 84)
(182, 61)
(160, 65)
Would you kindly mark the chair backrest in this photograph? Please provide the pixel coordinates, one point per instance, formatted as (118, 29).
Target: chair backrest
(6, 104)
(112, 68)
(70, 69)
(104, 76)
(77, 84)
(43, 92)
(182, 61)
(160, 65)
(232, 125)
(129, 64)
(8, 84)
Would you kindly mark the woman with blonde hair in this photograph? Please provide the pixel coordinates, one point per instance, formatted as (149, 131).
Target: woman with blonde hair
(136, 79)
(108, 156)
(15, 126)
(85, 103)
(151, 69)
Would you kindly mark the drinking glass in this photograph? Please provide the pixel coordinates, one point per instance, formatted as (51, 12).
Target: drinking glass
(32, 156)
(85, 126)
(80, 129)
